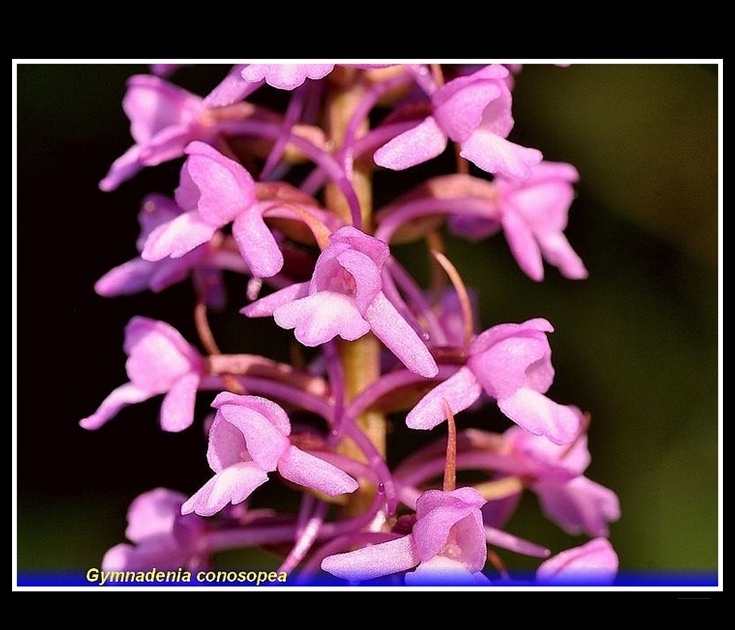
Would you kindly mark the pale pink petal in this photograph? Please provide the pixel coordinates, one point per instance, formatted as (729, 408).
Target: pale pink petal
(231, 89)
(226, 445)
(266, 408)
(285, 76)
(266, 306)
(415, 146)
(540, 415)
(122, 169)
(257, 244)
(265, 443)
(130, 277)
(178, 237)
(459, 111)
(177, 408)
(495, 154)
(523, 246)
(157, 354)
(120, 397)
(594, 562)
(310, 471)
(579, 506)
(393, 556)
(153, 512)
(224, 187)
(232, 485)
(460, 391)
(396, 333)
(320, 317)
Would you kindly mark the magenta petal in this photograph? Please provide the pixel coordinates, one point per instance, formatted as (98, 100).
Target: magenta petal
(178, 237)
(523, 246)
(415, 146)
(541, 416)
(256, 244)
(177, 408)
(122, 169)
(579, 506)
(130, 277)
(153, 512)
(394, 331)
(285, 76)
(225, 188)
(233, 485)
(267, 305)
(373, 561)
(265, 443)
(460, 391)
(320, 317)
(495, 154)
(310, 471)
(592, 563)
(120, 397)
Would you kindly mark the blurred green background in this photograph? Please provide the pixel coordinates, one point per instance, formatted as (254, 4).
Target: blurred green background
(636, 344)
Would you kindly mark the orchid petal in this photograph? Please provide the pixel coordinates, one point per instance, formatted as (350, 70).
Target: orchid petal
(307, 470)
(373, 561)
(415, 146)
(232, 485)
(460, 391)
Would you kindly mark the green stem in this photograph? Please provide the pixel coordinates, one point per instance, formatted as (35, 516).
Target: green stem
(360, 358)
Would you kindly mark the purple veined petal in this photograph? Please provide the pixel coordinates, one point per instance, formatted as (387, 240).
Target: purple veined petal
(265, 443)
(523, 246)
(122, 169)
(178, 237)
(320, 317)
(373, 561)
(495, 154)
(285, 76)
(460, 391)
(399, 337)
(307, 470)
(233, 485)
(540, 415)
(118, 398)
(224, 187)
(594, 562)
(177, 408)
(579, 506)
(256, 244)
(415, 146)
(130, 277)
(153, 512)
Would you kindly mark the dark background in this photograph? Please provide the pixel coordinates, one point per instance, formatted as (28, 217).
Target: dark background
(636, 344)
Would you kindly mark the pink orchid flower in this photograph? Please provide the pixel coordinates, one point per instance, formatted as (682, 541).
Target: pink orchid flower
(512, 364)
(248, 439)
(447, 545)
(345, 298)
(160, 361)
(474, 111)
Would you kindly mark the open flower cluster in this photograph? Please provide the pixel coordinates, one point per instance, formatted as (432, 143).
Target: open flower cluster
(283, 196)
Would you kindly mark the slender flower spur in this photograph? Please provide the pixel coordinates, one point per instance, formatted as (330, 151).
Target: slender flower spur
(280, 175)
